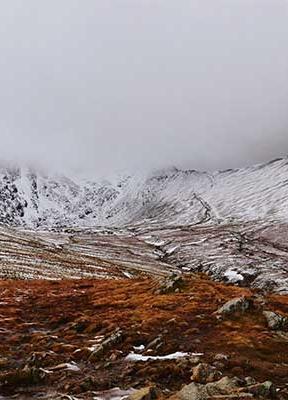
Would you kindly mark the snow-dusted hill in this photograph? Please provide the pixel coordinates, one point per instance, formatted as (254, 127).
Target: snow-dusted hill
(171, 197)
(232, 225)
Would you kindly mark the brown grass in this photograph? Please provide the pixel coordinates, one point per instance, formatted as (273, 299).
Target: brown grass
(57, 318)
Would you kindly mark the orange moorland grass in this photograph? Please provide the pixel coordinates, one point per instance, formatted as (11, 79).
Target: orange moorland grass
(62, 318)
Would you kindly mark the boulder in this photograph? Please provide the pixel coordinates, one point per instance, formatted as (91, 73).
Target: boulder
(234, 306)
(226, 388)
(173, 284)
(264, 390)
(194, 391)
(204, 373)
(146, 393)
(275, 321)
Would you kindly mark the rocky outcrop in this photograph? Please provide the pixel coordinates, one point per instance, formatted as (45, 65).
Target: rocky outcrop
(226, 388)
(204, 373)
(276, 321)
(172, 284)
(235, 306)
(195, 391)
(49, 329)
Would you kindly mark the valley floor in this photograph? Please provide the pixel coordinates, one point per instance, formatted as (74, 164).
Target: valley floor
(72, 339)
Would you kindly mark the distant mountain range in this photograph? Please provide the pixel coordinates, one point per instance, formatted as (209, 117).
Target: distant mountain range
(169, 197)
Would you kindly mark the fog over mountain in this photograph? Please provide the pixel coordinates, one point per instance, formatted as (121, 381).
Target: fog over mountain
(98, 87)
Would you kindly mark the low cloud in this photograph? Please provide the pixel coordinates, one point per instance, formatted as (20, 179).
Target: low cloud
(118, 84)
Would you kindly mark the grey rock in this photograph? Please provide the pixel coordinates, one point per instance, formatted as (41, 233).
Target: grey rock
(265, 389)
(173, 284)
(275, 321)
(204, 373)
(146, 393)
(237, 305)
(113, 339)
(221, 357)
(250, 381)
(194, 391)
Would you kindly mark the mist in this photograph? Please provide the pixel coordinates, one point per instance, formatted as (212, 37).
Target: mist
(103, 86)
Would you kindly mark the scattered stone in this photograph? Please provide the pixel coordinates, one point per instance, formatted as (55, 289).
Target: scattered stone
(234, 306)
(265, 389)
(220, 357)
(226, 388)
(173, 284)
(250, 381)
(147, 393)
(115, 338)
(276, 321)
(204, 373)
(224, 345)
(155, 344)
(195, 391)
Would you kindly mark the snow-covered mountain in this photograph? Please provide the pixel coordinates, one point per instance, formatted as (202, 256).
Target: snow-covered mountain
(168, 197)
(231, 225)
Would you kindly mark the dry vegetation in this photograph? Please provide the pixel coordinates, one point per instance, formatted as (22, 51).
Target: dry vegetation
(47, 323)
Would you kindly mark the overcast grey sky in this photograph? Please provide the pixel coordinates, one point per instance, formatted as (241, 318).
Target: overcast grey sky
(103, 85)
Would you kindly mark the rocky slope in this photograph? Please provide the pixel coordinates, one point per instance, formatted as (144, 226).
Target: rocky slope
(104, 339)
(151, 325)
(247, 254)
(169, 198)
(231, 225)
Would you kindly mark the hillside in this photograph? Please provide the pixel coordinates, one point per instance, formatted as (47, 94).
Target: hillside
(105, 286)
(85, 339)
(167, 198)
(232, 225)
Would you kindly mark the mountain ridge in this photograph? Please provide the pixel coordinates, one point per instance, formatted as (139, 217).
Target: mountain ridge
(38, 200)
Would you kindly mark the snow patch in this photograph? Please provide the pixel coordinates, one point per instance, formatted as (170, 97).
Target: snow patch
(174, 356)
(233, 276)
(139, 348)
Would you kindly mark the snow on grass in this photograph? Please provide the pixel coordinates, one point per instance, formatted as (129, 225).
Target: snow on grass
(127, 274)
(233, 276)
(139, 348)
(65, 366)
(174, 356)
(72, 367)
